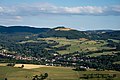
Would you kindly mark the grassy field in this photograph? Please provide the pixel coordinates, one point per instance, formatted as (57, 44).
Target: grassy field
(55, 73)
(81, 45)
(104, 53)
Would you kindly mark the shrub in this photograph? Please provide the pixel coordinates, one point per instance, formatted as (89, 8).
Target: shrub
(11, 64)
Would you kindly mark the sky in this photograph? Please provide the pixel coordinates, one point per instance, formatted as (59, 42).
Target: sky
(76, 14)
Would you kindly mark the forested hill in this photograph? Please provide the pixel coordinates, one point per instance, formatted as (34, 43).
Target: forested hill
(104, 34)
(62, 32)
(14, 29)
(75, 34)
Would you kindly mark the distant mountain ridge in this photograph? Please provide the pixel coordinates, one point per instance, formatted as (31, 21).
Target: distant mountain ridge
(13, 29)
(63, 32)
(75, 34)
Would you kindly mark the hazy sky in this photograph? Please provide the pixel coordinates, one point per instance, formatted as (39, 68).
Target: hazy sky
(78, 14)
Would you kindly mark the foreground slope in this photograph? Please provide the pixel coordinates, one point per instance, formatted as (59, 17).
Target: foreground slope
(55, 73)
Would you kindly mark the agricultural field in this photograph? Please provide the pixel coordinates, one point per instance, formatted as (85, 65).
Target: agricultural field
(55, 73)
(103, 53)
(81, 45)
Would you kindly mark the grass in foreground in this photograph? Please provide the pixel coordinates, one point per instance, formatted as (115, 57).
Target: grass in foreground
(55, 73)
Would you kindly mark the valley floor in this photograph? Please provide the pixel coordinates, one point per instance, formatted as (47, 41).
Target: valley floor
(54, 73)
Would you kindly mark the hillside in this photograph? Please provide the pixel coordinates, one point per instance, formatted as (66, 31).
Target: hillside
(62, 29)
(75, 34)
(62, 32)
(60, 47)
(15, 38)
(104, 34)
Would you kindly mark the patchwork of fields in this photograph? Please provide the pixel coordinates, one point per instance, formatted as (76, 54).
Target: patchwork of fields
(81, 45)
(60, 73)
(55, 73)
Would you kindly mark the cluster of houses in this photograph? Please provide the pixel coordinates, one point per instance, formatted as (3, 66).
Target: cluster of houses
(57, 60)
(14, 56)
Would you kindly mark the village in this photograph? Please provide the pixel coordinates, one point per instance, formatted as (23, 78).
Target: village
(68, 60)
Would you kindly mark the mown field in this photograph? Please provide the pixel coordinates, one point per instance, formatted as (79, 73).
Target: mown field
(55, 73)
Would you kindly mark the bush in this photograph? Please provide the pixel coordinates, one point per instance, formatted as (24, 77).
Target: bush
(80, 69)
(6, 79)
(11, 64)
(22, 66)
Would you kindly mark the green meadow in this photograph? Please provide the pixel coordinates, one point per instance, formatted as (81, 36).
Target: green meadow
(81, 45)
(54, 73)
